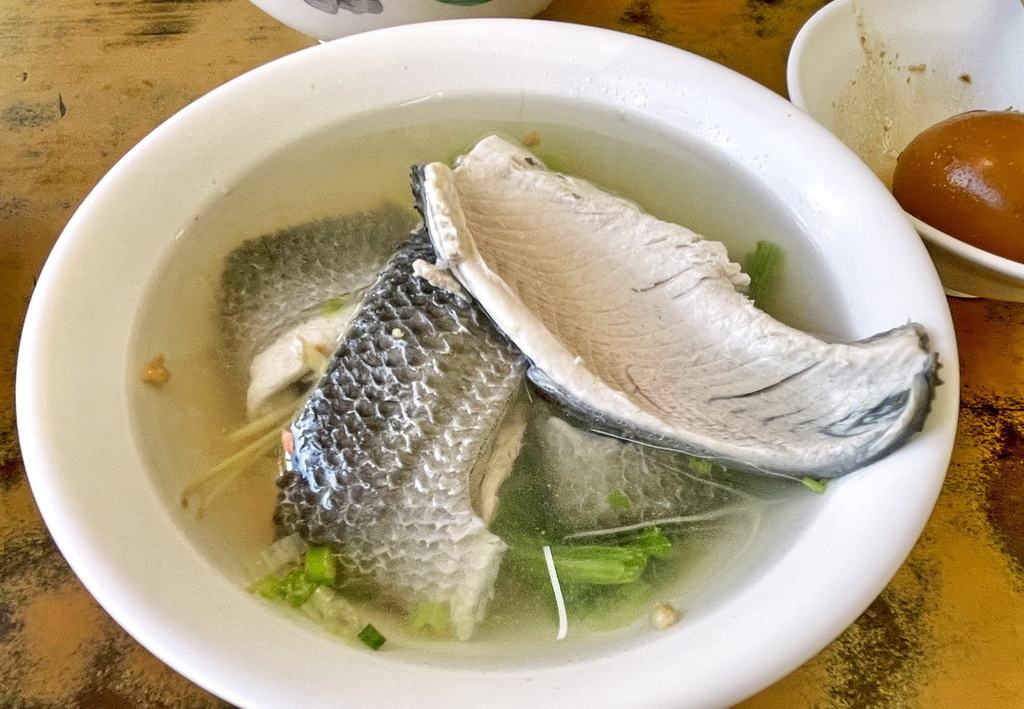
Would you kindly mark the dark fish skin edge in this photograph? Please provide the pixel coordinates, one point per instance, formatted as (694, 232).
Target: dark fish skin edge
(591, 419)
(575, 411)
(418, 178)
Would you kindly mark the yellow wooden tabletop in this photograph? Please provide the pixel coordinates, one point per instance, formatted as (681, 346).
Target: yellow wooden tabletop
(82, 80)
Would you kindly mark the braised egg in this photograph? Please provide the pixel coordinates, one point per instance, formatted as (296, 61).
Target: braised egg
(965, 176)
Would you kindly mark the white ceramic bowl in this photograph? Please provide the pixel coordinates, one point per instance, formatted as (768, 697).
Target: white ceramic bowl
(331, 19)
(876, 73)
(134, 272)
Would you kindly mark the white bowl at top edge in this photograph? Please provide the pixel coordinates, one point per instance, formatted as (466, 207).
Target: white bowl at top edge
(98, 465)
(332, 19)
(876, 73)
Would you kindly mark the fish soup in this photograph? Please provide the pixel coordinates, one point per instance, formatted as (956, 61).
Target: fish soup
(185, 426)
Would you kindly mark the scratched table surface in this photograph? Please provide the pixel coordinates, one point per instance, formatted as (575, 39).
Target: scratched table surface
(82, 80)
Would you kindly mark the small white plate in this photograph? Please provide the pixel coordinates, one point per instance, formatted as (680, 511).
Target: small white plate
(877, 72)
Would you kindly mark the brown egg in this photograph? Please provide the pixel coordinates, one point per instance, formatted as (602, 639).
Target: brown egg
(965, 176)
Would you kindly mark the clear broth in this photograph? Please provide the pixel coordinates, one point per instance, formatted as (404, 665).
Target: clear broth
(361, 164)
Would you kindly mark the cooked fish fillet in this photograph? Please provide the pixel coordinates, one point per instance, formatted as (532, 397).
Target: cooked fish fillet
(637, 328)
(401, 445)
(291, 293)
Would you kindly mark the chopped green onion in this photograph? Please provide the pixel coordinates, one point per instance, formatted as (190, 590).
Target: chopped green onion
(431, 618)
(815, 485)
(297, 587)
(269, 587)
(311, 571)
(617, 500)
(320, 566)
(371, 637)
(333, 305)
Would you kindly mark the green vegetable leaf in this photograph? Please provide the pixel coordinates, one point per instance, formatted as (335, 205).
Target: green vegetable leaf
(617, 500)
(816, 485)
(599, 565)
(595, 564)
(701, 466)
(652, 543)
(604, 608)
(764, 266)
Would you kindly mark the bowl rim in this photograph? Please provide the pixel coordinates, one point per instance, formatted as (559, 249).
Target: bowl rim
(203, 625)
(806, 36)
(304, 17)
(969, 252)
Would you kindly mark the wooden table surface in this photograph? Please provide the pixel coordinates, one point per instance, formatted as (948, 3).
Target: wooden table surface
(82, 80)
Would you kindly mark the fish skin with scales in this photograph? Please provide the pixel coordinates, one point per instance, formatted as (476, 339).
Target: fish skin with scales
(604, 483)
(293, 290)
(276, 281)
(402, 443)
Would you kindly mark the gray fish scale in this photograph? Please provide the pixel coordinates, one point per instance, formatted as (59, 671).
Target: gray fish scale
(386, 441)
(653, 486)
(272, 282)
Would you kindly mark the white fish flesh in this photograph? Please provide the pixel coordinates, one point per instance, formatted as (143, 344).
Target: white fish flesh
(637, 327)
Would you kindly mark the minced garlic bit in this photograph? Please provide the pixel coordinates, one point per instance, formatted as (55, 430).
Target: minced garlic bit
(664, 616)
(917, 68)
(155, 372)
(398, 333)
